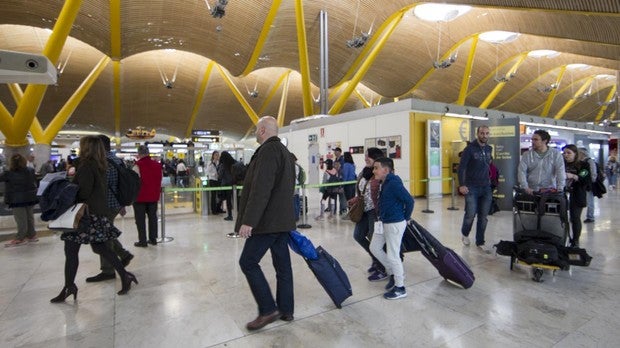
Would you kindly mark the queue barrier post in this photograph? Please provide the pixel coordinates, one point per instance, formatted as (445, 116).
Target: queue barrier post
(453, 194)
(428, 197)
(162, 203)
(304, 212)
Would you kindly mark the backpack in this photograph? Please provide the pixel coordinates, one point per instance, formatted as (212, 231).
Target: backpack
(598, 186)
(333, 179)
(238, 172)
(301, 176)
(128, 184)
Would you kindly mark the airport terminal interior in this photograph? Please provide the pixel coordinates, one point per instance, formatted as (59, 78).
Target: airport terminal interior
(202, 72)
(193, 294)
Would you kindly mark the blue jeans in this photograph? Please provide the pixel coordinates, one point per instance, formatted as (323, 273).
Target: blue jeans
(590, 200)
(297, 206)
(477, 202)
(253, 251)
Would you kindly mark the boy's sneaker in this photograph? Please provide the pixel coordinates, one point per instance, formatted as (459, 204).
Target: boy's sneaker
(465, 240)
(396, 293)
(485, 249)
(15, 242)
(377, 276)
(372, 268)
(390, 283)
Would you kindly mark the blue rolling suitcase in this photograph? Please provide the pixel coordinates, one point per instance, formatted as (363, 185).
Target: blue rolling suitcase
(331, 276)
(449, 264)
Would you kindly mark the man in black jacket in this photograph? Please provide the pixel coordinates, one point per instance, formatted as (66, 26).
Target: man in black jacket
(265, 218)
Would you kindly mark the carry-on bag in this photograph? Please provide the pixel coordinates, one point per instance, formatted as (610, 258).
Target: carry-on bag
(331, 276)
(449, 264)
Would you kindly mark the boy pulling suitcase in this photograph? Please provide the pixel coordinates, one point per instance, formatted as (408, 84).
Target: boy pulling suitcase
(395, 208)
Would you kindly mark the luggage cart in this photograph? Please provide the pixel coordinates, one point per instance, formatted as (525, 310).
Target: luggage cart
(542, 216)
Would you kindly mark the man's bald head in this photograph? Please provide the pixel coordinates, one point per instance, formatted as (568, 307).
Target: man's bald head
(266, 128)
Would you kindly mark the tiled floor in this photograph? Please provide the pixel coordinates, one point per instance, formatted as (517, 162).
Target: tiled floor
(193, 294)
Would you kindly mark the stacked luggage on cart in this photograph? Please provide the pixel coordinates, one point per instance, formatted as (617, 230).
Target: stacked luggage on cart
(541, 231)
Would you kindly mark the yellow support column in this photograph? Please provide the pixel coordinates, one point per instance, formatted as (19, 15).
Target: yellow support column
(304, 65)
(361, 98)
(34, 93)
(553, 93)
(498, 88)
(244, 103)
(6, 121)
(569, 104)
(467, 73)
(610, 96)
(283, 99)
(35, 128)
(51, 131)
(262, 38)
(199, 98)
(372, 56)
(272, 92)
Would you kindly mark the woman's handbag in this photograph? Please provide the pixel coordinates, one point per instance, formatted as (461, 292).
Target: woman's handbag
(356, 208)
(70, 219)
(356, 204)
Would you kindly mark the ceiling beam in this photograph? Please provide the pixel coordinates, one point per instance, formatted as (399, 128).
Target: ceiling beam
(273, 91)
(553, 93)
(52, 129)
(467, 73)
(363, 69)
(610, 96)
(244, 103)
(25, 113)
(283, 99)
(569, 104)
(500, 85)
(199, 98)
(262, 38)
(304, 64)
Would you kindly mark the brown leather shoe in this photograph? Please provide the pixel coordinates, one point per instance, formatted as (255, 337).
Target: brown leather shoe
(263, 320)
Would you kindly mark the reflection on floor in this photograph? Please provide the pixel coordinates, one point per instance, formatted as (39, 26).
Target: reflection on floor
(193, 294)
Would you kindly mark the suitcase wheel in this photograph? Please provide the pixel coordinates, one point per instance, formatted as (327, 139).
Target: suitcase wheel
(537, 274)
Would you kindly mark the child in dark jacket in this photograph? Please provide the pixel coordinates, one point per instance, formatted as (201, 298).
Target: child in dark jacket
(394, 210)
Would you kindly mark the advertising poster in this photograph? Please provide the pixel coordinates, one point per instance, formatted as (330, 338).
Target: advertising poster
(505, 141)
(433, 149)
(390, 145)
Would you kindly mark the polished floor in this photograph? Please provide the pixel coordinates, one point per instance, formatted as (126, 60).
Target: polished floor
(193, 294)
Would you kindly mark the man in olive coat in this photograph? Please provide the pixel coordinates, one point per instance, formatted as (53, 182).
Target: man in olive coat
(266, 215)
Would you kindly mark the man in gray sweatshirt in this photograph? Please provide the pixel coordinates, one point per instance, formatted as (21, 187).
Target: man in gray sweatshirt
(541, 167)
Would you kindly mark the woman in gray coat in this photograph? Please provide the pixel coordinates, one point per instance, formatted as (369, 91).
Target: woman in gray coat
(21, 196)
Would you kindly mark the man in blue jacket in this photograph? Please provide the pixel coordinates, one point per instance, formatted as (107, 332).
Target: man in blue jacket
(475, 185)
(394, 210)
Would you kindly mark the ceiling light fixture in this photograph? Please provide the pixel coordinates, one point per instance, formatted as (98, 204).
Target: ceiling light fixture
(219, 8)
(498, 36)
(439, 12)
(544, 125)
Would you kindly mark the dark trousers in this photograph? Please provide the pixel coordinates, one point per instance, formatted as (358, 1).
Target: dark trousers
(141, 210)
(226, 195)
(215, 208)
(72, 260)
(574, 214)
(253, 251)
(116, 247)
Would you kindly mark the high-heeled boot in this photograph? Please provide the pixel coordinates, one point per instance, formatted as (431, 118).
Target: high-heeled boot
(127, 279)
(66, 292)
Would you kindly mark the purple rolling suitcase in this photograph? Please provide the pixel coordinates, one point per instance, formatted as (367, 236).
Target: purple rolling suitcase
(449, 264)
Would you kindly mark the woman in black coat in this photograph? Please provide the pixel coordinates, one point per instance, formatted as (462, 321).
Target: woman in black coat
(91, 179)
(578, 182)
(225, 172)
(21, 196)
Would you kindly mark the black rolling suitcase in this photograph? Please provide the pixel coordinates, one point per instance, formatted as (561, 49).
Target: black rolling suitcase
(331, 276)
(449, 264)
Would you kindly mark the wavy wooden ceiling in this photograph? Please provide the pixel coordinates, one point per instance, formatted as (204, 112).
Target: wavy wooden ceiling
(585, 32)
